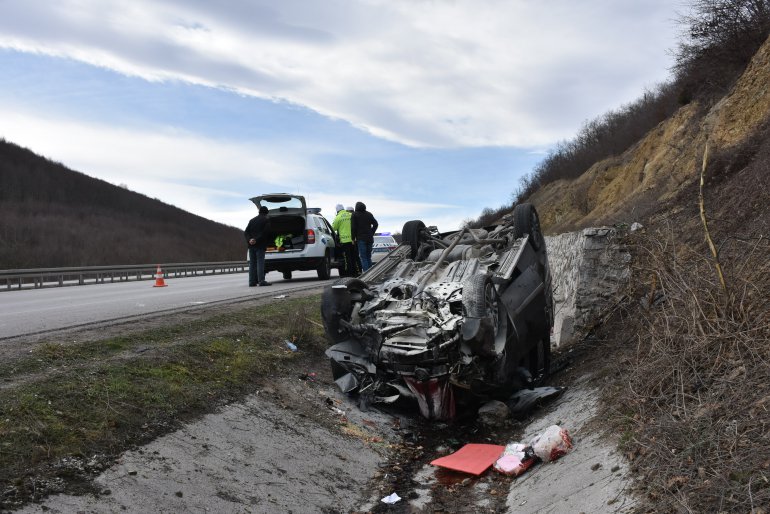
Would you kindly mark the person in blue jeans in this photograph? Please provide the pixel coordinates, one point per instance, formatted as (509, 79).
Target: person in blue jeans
(256, 235)
(362, 228)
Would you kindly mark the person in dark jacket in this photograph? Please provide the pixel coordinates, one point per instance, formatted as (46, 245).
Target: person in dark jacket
(362, 228)
(257, 237)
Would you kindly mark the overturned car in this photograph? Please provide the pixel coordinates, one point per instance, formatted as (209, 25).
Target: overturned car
(446, 318)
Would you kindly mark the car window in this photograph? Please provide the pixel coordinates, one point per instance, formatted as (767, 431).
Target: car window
(320, 225)
(281, 203)
(384, 239)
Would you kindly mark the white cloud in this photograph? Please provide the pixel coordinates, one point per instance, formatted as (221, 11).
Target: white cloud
(210, 178)
(121, 155)
(460, 73)
(194, 173)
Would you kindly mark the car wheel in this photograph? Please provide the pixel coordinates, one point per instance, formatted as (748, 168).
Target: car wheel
(480, 300)
(412, 234)
(287, 275)
(337, 304)
(526, 221)
(325, 268)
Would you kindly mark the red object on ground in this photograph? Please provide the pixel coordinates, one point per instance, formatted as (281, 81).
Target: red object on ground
(471, 458)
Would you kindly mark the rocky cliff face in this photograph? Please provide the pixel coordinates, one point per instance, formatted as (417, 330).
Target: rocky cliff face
(628, 187)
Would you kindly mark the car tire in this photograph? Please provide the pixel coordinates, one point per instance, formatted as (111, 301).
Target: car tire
(325, 267)
(480, 300)
(412, 234)
(480, 297)
(526, 221)
(336, 306)
(287, 275)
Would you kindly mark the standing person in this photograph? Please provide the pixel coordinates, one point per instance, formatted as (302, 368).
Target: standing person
(256, 235)
(341, 225)
(363, 226)
(356, 256)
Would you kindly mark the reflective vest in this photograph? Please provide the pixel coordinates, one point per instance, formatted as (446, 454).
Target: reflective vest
(341, 225)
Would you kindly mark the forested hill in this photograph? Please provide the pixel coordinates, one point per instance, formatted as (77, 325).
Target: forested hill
(51, 216)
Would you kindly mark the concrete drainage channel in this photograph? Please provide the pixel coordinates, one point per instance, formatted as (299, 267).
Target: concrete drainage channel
(299, 446)
(593, 477)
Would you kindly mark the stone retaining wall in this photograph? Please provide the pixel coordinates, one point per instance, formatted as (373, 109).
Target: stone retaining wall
(590, 268)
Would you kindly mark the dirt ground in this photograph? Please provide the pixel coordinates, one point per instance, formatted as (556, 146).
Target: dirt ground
(298, 445)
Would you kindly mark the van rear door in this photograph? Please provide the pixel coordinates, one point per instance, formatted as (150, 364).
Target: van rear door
(282, 203)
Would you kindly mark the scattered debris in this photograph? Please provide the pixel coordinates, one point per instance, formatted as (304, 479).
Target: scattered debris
(280, 297)
(391, 499)
(494, 413)
(553, 443)
(516, 459)
(291, 346)
(471, 458)
(524, 400)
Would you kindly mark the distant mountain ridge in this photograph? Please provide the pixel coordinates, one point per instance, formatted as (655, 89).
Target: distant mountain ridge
(52, 216)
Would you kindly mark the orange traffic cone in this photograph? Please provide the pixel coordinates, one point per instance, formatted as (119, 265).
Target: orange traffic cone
(159, 278)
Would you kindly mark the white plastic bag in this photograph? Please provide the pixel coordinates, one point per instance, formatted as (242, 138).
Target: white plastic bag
(552, 443)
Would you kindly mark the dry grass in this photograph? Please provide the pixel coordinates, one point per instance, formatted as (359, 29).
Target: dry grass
(693, 390)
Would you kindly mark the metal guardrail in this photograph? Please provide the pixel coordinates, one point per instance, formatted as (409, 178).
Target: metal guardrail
(13, 279)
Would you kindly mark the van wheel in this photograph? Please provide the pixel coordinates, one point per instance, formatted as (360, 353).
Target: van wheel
(325, 268)
(287, 275)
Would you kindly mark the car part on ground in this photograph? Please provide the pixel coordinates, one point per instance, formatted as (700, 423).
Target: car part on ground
(446, 318)
(301, 239)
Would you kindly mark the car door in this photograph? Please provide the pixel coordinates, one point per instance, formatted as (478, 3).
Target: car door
(328, 236)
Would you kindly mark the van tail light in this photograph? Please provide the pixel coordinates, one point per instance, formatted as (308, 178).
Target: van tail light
(310, 236)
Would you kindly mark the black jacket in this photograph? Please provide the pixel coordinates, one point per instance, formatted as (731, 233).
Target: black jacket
(258, 228)
(362, 224)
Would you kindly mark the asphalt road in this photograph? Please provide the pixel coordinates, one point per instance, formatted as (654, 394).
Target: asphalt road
(36, 311)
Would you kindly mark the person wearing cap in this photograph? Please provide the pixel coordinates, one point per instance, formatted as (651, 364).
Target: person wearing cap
(341, 226)
(362, 227)
(257, 236)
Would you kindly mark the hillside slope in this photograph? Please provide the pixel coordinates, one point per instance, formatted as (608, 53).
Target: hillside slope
(687, 342)
(646, 178)
(51, 216)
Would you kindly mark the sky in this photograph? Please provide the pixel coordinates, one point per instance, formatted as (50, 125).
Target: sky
(421, 109)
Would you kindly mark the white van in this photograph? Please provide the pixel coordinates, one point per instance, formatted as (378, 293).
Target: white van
(300, 237)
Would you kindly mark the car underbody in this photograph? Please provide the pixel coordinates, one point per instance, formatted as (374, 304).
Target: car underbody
(447, 319)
